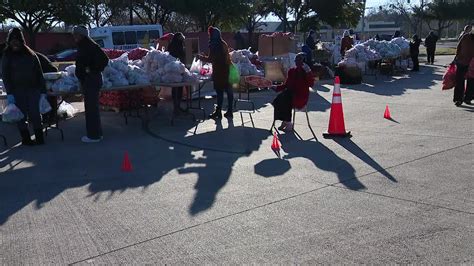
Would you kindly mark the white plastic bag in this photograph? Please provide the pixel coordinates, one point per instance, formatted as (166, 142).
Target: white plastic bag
(66, 109)
(196, 66)
(44, 105)
(12, 114)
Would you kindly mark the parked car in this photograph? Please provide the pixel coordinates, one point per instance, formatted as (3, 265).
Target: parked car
(64, 56)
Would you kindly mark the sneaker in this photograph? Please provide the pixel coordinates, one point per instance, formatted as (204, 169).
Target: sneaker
(458, 103)
(86, 139)
(468, 102)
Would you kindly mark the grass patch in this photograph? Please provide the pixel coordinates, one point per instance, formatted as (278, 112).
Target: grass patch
(440, 51)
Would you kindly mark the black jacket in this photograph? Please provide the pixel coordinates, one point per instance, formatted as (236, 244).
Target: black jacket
(415, 47)
(430, 41)
(22, 73)
(90, 58)
(310, 43)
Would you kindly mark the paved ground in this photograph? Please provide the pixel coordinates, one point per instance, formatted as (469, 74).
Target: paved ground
(398, 191)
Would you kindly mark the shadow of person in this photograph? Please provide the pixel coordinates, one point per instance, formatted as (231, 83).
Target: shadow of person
(214, 167)
(323, 158)
(353, 148)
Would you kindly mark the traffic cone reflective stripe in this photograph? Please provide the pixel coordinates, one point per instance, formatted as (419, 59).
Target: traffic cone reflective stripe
(336, 118)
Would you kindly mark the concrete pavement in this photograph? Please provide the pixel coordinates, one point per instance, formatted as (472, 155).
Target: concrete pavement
(397, 192)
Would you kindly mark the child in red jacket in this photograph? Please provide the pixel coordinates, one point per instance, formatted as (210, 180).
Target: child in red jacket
(295, 92)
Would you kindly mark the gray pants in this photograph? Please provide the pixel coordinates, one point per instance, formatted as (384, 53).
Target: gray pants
(28, 103)
(91, 87)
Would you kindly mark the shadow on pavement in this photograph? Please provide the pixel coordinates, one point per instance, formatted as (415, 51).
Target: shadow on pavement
(353, 148)
(322, 157)
(272, 167)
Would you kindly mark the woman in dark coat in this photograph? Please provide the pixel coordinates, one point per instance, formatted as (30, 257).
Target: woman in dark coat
(295, 92)
(220, 59)
(177, 50)
(414, 52)
(24, 83)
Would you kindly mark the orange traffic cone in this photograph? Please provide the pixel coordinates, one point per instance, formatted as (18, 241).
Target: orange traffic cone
(336, 119)
(126, 164)
(387, 115)
(276, 142)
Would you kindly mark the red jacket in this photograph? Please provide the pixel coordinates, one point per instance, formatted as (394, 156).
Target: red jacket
(298, 82)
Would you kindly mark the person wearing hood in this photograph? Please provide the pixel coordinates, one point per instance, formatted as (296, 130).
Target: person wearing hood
(346, 43)
(220, 59)
(430, 43)
(90, 62)
(24, 83)
(295, 92)
(464, 56)
(177, 50)
(415, 51)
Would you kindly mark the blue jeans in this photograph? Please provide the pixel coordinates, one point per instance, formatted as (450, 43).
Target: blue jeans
(230, 98)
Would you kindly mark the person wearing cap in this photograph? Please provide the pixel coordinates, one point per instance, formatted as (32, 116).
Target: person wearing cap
(90, 62)
(294, 92)
(25, 85)
(220, 59)
(346, 43)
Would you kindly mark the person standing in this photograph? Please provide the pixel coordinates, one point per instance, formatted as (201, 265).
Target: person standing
(220, 59)
(415, 51)
(464, 56)
(177, 50)
(25, 84)
(346, 43)
(430, 43)
(309, 47)
(295, 92)
(90, 62)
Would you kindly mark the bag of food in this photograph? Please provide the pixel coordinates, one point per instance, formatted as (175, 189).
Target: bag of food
(234, 75)
(44, 105)
(66, 110)
(12, 114)
(449, 78)
(196, 66)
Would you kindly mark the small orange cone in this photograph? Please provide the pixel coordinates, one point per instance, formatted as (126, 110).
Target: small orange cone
(126, 164)
(276, 142)
(336, 126)
(387, 115)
